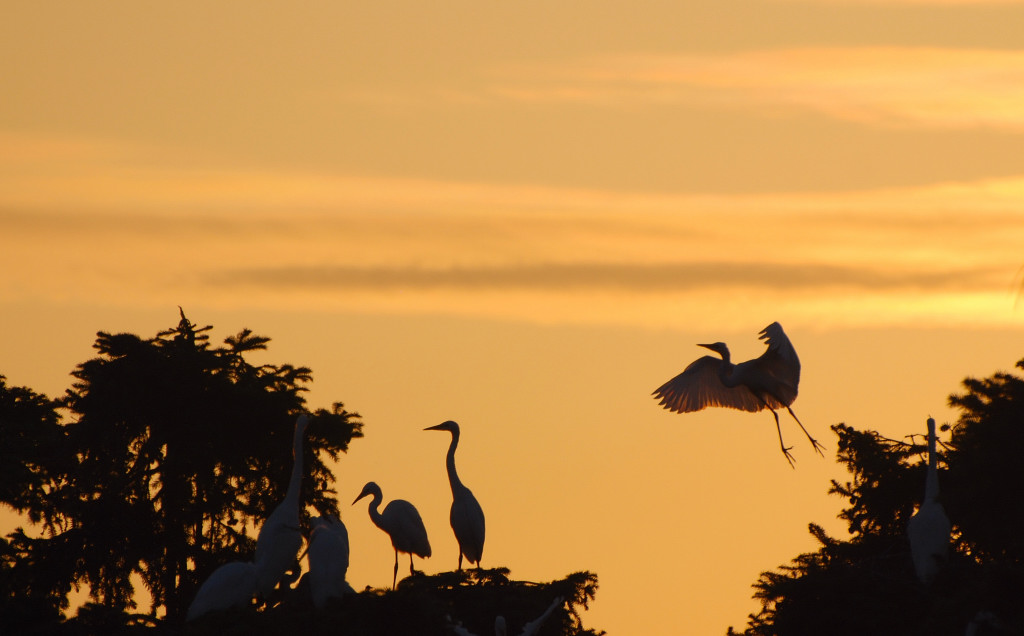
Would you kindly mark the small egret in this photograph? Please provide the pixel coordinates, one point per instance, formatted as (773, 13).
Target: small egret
(280, 537)
(501, 629)
(328, 560)
(403, 524)
(767, 382)
(467, 517)
(230, 586)
(929, 528)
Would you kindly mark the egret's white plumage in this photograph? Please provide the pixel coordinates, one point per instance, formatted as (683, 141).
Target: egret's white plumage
(467, 517)
(328, 560)
(501, 629)
(767, 382)
(403, 524)
(929, 529)
(280, 537)
(232, 585)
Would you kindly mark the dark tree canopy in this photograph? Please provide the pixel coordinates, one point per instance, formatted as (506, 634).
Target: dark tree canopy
(866, 583)
(173, 450)
(170, 455)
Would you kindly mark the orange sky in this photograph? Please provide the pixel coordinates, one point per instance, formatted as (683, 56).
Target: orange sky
(523, 217)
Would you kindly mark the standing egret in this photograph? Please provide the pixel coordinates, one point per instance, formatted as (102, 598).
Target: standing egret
(767, 382)
(280, 537)
(467, 517)
(403, 524)
(328, 560)
(230, 586)
(929, 528)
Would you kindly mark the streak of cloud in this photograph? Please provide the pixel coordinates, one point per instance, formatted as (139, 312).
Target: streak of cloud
(629, 277)
(887, 86)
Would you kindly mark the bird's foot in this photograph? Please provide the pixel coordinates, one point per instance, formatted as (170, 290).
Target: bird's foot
(789, 456)
(818, 447)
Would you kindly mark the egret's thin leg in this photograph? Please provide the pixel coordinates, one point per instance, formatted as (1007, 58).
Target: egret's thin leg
(785, 451)
(411, 571)
(460, 557)
(818, 447)
(394, 579)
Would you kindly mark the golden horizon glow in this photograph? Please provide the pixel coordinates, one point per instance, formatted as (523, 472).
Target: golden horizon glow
(523, 217)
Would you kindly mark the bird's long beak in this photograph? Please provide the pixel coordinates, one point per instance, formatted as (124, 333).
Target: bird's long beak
(358, 498)
(434, 428)
(706, 346)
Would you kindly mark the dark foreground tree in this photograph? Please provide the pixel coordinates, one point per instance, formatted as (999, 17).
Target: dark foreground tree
(421, 606)
(173, 452)
(866, 584)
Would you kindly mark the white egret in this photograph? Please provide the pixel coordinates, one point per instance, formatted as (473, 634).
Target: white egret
(767, 382)
(467, 517)
(280, 537)
(230, 586)
(403, 524)
(929, 528)
(501, 629)
(328, 560)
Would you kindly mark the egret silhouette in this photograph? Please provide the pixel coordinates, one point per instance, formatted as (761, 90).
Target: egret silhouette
(403, 524)
(467, 517)
(767, 382)
(328, 560)
(501, 629)
(929, 528)
(230, 586)
(280, 537)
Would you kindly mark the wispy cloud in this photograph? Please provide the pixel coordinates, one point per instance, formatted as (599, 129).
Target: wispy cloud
(891, 86)
(619, 277)
(162, 234)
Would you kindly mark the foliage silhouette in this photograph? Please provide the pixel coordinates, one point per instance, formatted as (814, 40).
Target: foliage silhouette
(866, 584)
(174, 451)
(172, 454)
(421, 606)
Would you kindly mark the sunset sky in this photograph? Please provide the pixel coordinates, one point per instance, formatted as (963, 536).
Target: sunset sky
(523, 216)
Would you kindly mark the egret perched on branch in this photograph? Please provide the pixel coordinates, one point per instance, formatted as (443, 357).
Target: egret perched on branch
(280, 537)
(328, 560)
(767, 382)
(467, 517)
(929, 528)
(501, 629)
(230, 586)
(403, 524)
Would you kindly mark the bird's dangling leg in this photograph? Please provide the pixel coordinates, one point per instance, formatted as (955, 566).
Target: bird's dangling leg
(394, 579)
(460, 558)
(411, 571)
(818, 447)
(785, 451)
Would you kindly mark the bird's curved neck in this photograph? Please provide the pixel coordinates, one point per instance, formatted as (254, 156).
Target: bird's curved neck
(931, 484)
(725, 370)
(295, 482)
(453, 476)
(375, 515)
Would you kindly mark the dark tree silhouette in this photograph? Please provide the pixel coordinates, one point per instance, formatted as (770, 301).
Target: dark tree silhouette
(174, 451)
(866, 584)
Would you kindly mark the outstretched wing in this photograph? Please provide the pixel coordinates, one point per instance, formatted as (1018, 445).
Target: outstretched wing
(699, 386)
(779, 363)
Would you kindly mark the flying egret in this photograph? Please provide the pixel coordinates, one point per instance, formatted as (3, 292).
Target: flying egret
(280, 537)
(467, 517)
(328, 560)
(767, 382)
(232, 585)
(403, 524)
(929, 528)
